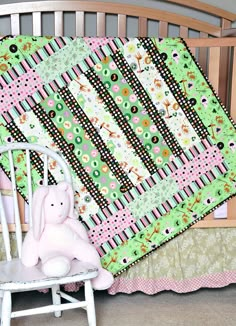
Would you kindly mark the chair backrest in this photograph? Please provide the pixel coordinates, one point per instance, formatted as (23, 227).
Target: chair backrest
(31, 174)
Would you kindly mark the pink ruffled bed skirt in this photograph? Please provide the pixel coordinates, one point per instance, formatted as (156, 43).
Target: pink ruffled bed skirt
(150, 287)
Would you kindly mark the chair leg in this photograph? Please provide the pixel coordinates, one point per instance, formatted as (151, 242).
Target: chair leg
(6, 308)
(1, 295)
(89, 298)
(56, 299)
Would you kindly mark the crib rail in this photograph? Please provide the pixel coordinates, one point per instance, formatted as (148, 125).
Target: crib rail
(120, 13)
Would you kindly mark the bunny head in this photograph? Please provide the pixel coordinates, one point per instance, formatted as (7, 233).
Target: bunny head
(51, 205)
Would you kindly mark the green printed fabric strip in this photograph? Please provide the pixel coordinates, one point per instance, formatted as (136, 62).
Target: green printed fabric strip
(107, 128)
(90, 158)
(90, 130)
(121, 121)
(33, 54)
(99, 55)
(212, 113)
(158, 194)
(14, 49)
(62, 60)
(159, 91)
(133, 111)
(147, 103)
(67, 151)
(159, 61)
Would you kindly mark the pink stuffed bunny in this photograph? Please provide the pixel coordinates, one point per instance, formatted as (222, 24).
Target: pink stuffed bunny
(57, 237)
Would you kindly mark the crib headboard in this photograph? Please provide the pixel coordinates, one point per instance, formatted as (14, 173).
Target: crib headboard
(213, 44)
(122, 12)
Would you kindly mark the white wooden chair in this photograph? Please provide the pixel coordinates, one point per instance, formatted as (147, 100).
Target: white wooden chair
(14, 277)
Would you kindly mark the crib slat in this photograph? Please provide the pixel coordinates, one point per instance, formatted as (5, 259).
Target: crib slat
(122, 30)
(224, 70)
(15, 24)
(163, 29)
(37, 24)
(58, 21)
(193, 50)
(232, 202)
(101, 24)
(224, 66)
(203, 54)
(16, 205)
(214, 67)
(142, 26)
(183, 31)
(79, 23)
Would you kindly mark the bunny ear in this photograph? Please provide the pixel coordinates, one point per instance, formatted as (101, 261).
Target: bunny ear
(66, 186)
(37, 211)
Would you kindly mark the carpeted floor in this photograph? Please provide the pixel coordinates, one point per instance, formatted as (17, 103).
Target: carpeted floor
(207, 307)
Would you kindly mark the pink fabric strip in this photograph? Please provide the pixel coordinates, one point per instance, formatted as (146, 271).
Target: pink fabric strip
(94, 42)
(106, 212)
(200, 165)
(36, 59)
(149, 286)
(20, 89)
(49, 49)
(25, 64)
(156, 213)
(184, 159)
(100, 56)
(110, 227)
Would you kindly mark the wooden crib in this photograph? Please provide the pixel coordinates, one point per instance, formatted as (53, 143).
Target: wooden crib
(213, 45)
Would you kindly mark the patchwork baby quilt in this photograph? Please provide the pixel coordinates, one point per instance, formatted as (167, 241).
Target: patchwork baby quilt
(151, 148)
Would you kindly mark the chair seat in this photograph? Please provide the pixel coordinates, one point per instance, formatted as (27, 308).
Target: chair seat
(15, 276)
